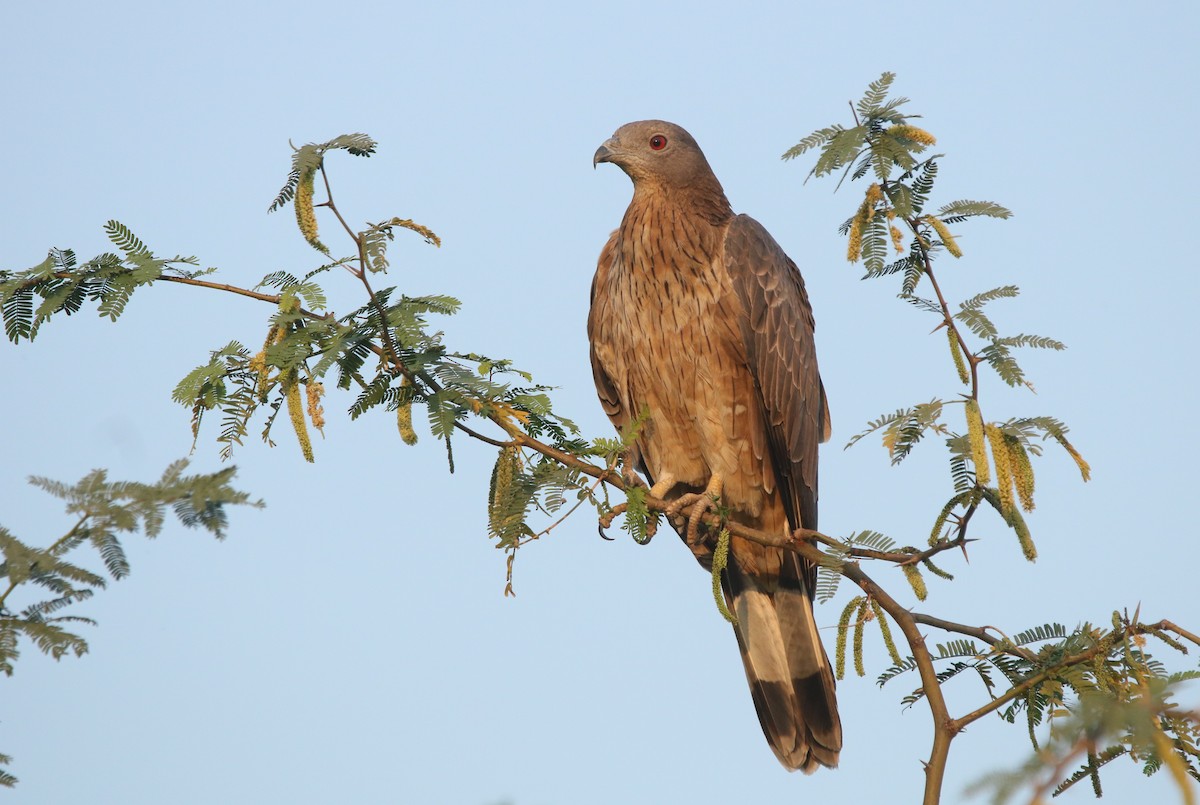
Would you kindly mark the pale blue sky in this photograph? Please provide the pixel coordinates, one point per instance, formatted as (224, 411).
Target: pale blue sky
(350, 643)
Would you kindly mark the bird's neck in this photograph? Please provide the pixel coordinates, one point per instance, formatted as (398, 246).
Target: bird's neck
(703, 201)
(673, 230)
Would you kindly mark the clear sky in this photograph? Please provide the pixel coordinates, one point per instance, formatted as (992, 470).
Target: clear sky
(350, 643)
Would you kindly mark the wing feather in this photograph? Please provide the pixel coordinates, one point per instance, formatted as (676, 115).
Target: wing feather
(777, 332)
(610, 398)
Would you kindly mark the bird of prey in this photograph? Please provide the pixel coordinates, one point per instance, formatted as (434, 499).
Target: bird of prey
(699, 320)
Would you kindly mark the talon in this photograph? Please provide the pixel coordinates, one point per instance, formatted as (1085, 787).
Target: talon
(699, 509)
(701, 504)
(628, 473)
(606, 520)
(681, 502)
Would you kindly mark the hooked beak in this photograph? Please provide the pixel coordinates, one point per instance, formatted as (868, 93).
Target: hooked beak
(606, 152)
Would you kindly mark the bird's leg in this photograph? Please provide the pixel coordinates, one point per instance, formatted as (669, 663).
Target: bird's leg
(701, 504)
(662, 486)
(628, 473)
(632, 481)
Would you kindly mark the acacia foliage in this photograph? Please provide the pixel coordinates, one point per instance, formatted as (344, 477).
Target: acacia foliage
(55, 578)
(1100, 690)
(1091, 694)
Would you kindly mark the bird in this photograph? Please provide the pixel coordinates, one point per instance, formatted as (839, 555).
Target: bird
(701, 341)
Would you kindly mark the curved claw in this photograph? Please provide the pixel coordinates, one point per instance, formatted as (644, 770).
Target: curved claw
(607, 520)
(701, 504)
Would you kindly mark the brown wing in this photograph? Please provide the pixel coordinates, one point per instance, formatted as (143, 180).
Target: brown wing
(777, 331)
(610, 399)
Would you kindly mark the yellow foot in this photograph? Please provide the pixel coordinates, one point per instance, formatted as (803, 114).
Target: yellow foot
(701, 504)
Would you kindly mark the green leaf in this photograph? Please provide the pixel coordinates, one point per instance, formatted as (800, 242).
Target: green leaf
(874, 96)
(979, 300)
(957, 211)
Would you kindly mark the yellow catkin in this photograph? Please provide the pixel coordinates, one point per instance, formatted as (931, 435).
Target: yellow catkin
(944, 233)
(916, 581)
(978, 442)
(296, 413)
(306, 216)
(874, 196)
(860, 627)
(1022, 470)
(507, 465)
(839, 653)
(1004, 475)
(404, 420)
(720, 562)
(913, 133)
(1023, 536)
(960, 363)
(897, 240)
(854, 240)
(259, 362)
(885, 632)
(314, 392)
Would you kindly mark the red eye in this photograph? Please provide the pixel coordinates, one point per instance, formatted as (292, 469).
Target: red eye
(658, 142)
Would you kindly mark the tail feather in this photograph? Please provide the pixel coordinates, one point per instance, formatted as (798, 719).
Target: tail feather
(790, 678)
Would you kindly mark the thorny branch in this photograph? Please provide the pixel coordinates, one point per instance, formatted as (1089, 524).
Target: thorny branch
(802, 541)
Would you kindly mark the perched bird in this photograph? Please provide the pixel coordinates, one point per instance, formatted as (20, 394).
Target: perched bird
(699, 320)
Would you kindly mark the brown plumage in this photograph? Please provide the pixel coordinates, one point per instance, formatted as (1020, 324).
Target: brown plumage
(699, 318)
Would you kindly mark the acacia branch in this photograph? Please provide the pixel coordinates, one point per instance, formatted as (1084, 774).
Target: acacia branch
(13, 584)
(977, 632)
(1102, 646)
(910, 556)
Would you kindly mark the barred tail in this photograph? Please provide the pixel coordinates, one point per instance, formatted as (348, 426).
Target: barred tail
(790, 678)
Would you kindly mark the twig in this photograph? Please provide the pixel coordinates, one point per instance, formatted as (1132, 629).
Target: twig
(978, 632)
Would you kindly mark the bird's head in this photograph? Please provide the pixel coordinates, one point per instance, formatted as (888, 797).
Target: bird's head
(656, 152)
